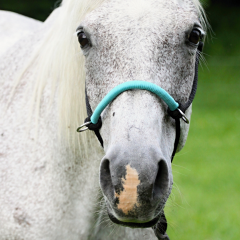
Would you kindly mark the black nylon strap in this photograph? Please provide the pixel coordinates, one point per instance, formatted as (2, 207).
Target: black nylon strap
(177, 138)
(160, 228)
(183, 107)
(99, 137)
(93, 127)
(89, 109)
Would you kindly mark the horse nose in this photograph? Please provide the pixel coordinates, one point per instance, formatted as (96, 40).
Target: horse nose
(134, 189)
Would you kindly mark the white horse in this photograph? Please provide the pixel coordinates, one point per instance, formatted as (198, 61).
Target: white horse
(49, 173)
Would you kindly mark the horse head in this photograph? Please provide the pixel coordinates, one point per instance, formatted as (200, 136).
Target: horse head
(152, 41)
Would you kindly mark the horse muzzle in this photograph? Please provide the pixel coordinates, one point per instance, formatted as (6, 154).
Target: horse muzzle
(135, 184)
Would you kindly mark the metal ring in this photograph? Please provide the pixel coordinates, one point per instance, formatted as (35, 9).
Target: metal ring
(184, 118)
(83, 125)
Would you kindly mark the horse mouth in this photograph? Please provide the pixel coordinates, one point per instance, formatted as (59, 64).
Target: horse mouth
(134, 224)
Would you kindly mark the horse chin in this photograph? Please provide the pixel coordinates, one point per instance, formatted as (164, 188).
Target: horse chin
(132, 223)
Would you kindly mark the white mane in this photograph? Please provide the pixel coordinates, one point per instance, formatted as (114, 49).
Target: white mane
(60, 61)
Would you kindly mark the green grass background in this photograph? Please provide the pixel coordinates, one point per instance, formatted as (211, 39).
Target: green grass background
(204, 204)
(205, 200)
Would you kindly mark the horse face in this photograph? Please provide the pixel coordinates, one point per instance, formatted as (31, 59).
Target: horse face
(138, 40)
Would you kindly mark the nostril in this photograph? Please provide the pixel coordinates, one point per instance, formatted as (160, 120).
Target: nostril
(161, 184)
(106, 180)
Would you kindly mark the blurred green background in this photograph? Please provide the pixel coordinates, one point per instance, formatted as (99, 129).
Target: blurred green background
(204, 202)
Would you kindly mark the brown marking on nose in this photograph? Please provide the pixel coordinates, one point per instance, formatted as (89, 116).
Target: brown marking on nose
(128, 198)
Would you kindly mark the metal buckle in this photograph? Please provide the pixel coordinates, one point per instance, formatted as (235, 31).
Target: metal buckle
(184, 118)
(83, 125)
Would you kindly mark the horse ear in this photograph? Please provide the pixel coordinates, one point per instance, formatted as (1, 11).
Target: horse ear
(184, 129)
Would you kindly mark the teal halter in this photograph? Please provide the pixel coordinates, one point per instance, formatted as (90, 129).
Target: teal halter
(143, 85)
(172, 104)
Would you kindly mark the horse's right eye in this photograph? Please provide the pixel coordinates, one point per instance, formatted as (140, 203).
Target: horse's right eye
(195, 36)
(83, 40)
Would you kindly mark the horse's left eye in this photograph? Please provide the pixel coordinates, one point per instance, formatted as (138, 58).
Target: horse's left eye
(83, 40)
(195, 36)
